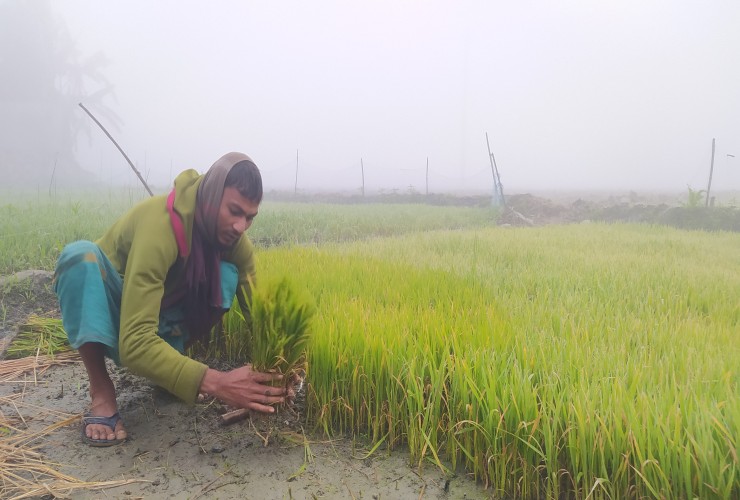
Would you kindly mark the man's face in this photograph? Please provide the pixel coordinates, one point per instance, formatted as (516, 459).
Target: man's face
(235, 215)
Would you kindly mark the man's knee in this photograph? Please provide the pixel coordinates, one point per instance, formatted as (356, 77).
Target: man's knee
(76, 252)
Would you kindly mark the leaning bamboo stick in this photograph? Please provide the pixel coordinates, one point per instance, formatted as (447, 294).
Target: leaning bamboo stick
(130, 163)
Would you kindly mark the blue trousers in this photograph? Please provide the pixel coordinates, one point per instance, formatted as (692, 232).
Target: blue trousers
(89, 289)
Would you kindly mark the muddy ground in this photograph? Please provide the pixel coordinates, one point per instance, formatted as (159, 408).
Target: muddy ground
(177, 451)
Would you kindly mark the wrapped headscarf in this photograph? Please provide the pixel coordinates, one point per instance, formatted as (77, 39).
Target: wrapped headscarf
(204, 304)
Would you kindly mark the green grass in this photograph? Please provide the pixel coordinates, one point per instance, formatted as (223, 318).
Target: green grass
(303, 223)
(34, 231)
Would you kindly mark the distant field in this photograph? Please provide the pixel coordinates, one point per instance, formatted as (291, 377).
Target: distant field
(33, 230)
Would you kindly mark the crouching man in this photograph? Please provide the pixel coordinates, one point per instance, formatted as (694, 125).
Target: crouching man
(157, 281)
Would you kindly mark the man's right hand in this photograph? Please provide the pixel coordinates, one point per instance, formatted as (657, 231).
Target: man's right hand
(244, 388)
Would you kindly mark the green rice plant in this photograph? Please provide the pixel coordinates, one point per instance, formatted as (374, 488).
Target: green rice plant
(39, 336)
(34, 230)
(586, 361)
(279, 322)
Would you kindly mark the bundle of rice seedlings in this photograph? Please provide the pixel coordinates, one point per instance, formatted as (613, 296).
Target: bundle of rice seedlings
(280, 318)
(39, 336)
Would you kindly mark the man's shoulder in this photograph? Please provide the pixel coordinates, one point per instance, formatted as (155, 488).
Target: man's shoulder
(150, 208)
(186, 192)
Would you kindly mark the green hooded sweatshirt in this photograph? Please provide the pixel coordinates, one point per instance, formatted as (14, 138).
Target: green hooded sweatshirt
(141, 246)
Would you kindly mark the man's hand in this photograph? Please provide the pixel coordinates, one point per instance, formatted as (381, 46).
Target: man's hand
(244, 388)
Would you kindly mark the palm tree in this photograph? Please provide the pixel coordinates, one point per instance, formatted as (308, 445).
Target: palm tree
(44, 77)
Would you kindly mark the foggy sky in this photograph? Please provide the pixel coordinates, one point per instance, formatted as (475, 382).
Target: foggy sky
(573, 94)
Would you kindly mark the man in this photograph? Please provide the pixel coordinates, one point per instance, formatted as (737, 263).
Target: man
(158, 280)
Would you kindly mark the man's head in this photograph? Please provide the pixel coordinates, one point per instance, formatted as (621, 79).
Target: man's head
(240, 202)
(234, 185)
(246, 178)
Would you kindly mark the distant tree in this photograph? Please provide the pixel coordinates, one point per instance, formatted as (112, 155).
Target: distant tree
(43, 78)
(695, 198)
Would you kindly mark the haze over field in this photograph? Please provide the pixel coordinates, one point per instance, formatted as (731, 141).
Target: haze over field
(573, 94)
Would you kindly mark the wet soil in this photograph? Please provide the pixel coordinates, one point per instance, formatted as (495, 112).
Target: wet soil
(180, 451)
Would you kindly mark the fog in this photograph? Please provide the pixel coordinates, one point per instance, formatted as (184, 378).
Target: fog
(574, 95)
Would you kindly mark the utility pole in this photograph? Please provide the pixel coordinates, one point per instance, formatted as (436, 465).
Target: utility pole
(711, 170)
(498, 188)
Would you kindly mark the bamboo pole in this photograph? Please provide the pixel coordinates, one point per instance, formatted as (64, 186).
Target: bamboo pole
(295, 188)
(498, 190)
(119, 148)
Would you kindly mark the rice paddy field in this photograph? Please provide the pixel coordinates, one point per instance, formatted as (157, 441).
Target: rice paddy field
(567, 361)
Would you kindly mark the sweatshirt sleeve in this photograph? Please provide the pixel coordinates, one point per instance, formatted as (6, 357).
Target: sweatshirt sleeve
(152, 252)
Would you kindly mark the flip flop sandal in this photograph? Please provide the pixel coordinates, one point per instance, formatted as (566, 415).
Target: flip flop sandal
(111, 422)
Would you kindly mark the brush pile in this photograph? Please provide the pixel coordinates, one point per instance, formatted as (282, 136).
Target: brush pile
(24, 472)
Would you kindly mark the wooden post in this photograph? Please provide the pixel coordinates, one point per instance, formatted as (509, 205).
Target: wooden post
(234, 416)
(295, 189)
(362, 169)
(51, 182)
(427, 176)
(711, 170)
(498, 190)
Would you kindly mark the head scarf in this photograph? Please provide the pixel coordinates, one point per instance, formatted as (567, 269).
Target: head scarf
(202, 269)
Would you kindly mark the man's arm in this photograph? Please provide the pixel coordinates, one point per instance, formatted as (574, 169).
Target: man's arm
(152, 252)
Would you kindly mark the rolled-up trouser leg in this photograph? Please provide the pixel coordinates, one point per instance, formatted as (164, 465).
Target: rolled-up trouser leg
(89, 291)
